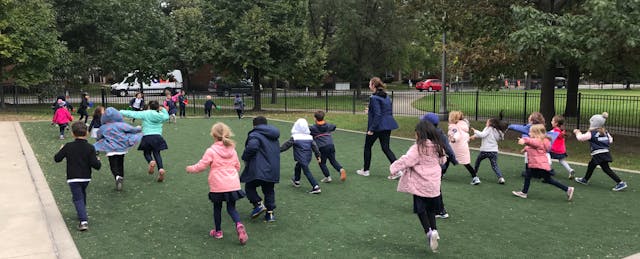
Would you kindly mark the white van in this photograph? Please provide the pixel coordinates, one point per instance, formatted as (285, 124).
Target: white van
(130, 85)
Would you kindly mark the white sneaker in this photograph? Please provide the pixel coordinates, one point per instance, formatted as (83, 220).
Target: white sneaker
(326, 179)
(501, 180)
(475, 181)
(395, 176)
(433, 240)
(362, 172)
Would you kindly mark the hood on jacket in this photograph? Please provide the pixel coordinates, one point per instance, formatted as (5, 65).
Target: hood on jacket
(431, 118)
(111, 115)
(223, 151)
(268, 131)
(300, 127)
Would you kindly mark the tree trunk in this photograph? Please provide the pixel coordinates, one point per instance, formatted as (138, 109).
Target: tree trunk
(571, 106)
(186, 80)
(547, 94)
(257, 104)
(274, 91)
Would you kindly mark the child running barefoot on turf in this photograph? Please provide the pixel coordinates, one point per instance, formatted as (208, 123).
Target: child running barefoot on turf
(558, 148)
(152, 142)
(490, 135)
(115, 137)
(303, 144)
(224, 184)
(321, 132)
(600, 140)
(422, 177)
(459, 138)
(81, 157)
(536, 147)
(261, 158)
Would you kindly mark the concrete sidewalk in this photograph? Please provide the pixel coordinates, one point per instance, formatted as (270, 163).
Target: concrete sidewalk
(31, 225)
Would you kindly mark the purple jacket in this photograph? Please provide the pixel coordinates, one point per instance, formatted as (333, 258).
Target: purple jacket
(115, 135)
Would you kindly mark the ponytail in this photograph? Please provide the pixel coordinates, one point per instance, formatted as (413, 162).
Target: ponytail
(222, 132)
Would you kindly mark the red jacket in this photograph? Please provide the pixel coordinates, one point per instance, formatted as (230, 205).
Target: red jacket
(62, 116)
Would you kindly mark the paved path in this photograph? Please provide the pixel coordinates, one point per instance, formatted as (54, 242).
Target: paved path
(31, 225)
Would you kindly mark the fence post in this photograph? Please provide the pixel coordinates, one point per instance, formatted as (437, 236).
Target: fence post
(524, 111)
(103, 97)
(326, 100)
(434, 101)
(353, 99)
(477, 101)
(193, 103)
(285, 100)
(579, 113)
(15, 97)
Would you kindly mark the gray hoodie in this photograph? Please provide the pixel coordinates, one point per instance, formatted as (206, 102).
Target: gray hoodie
(490, 137)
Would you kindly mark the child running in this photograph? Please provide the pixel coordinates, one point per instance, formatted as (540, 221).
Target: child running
(534, 118)
(321, 132)
(422, 177)
(115, 137)
(137, 103)
(536, 146)
(558, 149)
(152, 142)
(81, 157)
(84, 105)
(96, 122)
(62, 117)
(238, 105)
(224, 184)
(303, 144)
(208, 105)
(170, 105)
(458, 135)
(600, 140)
(261, 158)
(490, 135)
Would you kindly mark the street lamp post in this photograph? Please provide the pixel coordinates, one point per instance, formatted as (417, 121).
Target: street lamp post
(443, 114)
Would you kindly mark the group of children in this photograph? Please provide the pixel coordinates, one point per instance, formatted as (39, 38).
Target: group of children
(419, 171)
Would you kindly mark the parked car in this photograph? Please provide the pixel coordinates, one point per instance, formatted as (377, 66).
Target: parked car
(222, 87)
(429, 85)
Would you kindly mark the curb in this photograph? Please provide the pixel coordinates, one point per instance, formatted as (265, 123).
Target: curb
(63, 244)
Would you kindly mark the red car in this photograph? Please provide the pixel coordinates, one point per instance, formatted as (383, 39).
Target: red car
(429, 85)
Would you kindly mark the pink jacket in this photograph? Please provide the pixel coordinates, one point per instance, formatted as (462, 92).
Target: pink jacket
(224, 166)
(537, 153)
(62, 116)
(422, 172)
(459, 140)
(558, 146)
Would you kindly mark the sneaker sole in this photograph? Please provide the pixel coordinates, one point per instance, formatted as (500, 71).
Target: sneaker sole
(152, 167)
(343, 175)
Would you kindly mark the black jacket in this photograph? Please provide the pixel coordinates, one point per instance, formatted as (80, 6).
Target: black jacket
(81, 157)
(261, 155)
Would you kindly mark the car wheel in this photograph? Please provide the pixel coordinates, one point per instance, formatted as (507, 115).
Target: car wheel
(122, 93)
(430, 89)
(420, 90)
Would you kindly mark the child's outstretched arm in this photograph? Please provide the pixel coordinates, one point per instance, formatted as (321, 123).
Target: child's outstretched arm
(62, 153)
(316, 150)
(132, 114)
(286, 145)
(204, 162)
(410, 159)
(522, 129)
(582, 136)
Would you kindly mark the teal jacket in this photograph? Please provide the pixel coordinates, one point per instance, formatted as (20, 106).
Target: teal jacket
(151, 120)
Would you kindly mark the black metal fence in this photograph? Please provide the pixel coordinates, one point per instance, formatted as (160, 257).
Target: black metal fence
(624, 111)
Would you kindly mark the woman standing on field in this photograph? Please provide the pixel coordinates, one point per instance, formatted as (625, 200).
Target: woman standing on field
(379, 125)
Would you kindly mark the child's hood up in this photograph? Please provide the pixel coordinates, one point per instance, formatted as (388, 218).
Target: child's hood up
(300, 127)
(111, 115)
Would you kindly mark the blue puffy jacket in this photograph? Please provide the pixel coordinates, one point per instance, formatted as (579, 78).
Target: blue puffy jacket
(380, 115)
(115, 135)
(261, 155)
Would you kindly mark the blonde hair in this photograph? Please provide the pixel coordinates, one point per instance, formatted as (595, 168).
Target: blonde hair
(222, 132)
(538, 131)
(455, 116)
(536, 118)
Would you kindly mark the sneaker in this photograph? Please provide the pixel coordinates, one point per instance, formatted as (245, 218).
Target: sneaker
(501, 180)
(572, 175)
(326, 179)
(570, 193)
(362, 172)
(257, 211)
(83, 226)
(119, 180)
(343, 174)
(395, 176)
(269, 217)
(161, 175)
(433, 240)
(242, 233)
(216, 234)
(315, 190)
(581, 180)
(61, 136)
(520, 194)
(442, 215)
(295, 183)
(152, 167)
(620, 186)
(475, 181)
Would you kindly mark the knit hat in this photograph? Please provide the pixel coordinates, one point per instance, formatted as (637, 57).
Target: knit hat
(598, 120)
(431, 118)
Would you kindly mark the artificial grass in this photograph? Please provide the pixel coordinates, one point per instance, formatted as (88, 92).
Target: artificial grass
(363, 217)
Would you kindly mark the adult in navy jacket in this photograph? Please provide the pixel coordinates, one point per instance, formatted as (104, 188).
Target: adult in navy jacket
(379, 125)
(261, 158)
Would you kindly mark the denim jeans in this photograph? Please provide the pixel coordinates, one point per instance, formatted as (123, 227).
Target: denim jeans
(79, 195)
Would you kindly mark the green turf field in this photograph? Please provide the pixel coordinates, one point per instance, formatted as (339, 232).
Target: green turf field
(363, 217)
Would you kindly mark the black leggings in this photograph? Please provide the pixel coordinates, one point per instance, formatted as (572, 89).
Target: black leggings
(217, 213)
(183, 109)
(384, 137)
(605, 167)
(472, 172)
(156, 157)
(116, 163)
(62, 127)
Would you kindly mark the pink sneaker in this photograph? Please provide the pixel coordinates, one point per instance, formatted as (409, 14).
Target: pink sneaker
(216, 234)
(242, 233)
